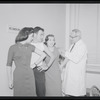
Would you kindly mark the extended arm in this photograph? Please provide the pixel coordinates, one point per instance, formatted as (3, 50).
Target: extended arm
(50, 54)
(77, 54)
(44, 65)
(9, 67)
(42, 56)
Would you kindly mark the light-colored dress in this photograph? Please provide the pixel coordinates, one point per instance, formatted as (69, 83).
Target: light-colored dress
(53, 76)
(74, 80)
(23, 77)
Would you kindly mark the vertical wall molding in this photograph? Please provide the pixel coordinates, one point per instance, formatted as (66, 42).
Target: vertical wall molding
(88, 18)
(72, 20)
(99, 34)
(68, 19)
(97, 42)
(77, 16)
(74, 16)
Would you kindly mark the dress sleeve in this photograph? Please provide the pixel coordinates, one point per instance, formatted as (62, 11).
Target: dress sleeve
(10, 56)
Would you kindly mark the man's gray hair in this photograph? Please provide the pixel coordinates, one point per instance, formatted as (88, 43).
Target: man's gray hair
(77, 32)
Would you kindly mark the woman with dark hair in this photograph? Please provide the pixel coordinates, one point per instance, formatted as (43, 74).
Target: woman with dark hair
(53, 74)
(20, 53)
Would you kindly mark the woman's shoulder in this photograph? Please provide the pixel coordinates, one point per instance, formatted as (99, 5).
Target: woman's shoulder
(13, 46)
(32, 47)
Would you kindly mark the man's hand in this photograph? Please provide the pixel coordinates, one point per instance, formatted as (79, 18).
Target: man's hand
(43, 67)
(63, 64)
(33, 66)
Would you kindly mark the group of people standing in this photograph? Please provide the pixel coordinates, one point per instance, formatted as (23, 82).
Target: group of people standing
(38, 71)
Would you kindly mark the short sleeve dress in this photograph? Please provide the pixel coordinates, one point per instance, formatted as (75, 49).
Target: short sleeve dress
(53, 76)
(23, 77)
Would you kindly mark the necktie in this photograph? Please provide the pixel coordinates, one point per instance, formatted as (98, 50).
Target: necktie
(72, 47)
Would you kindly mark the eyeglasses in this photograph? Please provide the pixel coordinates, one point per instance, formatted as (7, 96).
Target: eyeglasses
(72, 36)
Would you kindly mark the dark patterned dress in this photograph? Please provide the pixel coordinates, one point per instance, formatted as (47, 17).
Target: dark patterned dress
(23, 77)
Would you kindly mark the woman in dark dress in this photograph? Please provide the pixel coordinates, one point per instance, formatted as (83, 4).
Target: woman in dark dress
(53, 73)
(23, 78)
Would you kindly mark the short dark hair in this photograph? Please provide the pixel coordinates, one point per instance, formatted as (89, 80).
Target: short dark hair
(37, 28)
(24, 33)
(47, 38)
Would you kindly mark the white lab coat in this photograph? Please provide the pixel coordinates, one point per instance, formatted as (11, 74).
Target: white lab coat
(74, 73)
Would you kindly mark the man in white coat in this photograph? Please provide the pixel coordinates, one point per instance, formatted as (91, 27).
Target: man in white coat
(74, 81)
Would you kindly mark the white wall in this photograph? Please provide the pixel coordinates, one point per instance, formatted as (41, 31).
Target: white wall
(86, 17)
(49, 16)
(89, 25)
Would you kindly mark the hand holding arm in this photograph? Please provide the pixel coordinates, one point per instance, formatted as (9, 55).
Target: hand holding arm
(64, 62)
(42, 56)
(43, 67)
(52, 58)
